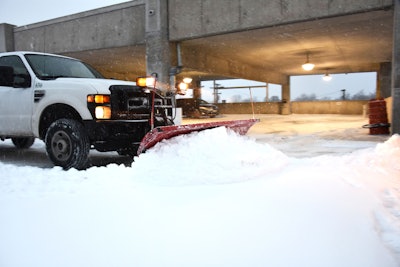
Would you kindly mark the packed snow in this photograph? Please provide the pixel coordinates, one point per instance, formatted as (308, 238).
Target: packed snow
(212, 198)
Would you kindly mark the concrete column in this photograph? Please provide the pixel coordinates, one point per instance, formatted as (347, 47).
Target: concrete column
(396, 70)
(384, 83)
(6, 37)
(157, 42)
(196, 85)
(285, 105)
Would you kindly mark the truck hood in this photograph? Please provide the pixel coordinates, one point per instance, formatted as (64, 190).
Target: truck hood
(100, 85)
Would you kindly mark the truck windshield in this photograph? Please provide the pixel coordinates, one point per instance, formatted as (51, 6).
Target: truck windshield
(47, 67)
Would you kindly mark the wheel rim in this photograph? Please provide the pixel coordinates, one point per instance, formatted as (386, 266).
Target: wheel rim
(61, 146)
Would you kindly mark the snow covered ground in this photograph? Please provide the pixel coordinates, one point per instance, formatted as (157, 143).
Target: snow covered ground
(298, 190)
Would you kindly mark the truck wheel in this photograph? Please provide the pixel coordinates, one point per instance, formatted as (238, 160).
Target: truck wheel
(67, 144)
(23, 142)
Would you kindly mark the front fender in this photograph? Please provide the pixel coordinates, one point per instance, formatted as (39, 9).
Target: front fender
(76, 103)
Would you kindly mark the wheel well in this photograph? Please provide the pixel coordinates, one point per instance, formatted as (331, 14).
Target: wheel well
(53, 113)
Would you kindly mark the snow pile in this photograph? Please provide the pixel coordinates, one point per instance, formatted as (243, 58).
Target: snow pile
(386, 163)
(207, 199)
(208, 157)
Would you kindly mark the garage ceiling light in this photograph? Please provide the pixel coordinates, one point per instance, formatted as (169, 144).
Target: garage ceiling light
(308, 66)
(187, 80)
(327, 77)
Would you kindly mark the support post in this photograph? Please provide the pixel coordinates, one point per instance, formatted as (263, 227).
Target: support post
(395, 129)
(158, 61)
(285, 105)
(384, 80)
(196, 84)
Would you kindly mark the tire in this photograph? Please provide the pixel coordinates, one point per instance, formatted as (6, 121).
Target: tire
(67, 144)
(23, 142)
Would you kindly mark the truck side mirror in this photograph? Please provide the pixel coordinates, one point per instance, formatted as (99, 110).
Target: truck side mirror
(6, 76)
(22, 80)
(9, 78)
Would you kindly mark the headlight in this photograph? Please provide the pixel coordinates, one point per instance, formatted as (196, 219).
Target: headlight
(99, 106)
(98, 99)
(103, 112)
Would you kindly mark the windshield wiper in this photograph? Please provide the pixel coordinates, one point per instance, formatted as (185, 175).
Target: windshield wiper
(53, 77)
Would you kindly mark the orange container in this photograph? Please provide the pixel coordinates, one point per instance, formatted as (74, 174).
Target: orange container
(378, 119)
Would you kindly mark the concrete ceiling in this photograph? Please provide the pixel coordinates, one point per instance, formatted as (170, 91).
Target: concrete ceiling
(351, 43)
(126, 63)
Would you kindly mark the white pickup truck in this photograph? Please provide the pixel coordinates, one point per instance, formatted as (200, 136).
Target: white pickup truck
(70, 106)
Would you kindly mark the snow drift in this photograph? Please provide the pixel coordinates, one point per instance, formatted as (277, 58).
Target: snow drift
(211, 198)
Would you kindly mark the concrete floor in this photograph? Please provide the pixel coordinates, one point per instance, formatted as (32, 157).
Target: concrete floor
(300, 135)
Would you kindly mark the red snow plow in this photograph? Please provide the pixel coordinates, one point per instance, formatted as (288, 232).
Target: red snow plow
(160, 124)
(166, 132)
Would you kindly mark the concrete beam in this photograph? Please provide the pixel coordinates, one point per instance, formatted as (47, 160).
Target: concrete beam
(395, 129)
(195, 60)
(200, 18)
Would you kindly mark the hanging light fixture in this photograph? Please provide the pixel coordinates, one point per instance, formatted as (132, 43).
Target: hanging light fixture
(187, 80)
(308, 66)
(327, 77)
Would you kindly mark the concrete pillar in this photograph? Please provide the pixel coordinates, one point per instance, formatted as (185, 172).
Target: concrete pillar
(396, 70)
(157, 42)
(6, 37)
(285, 105)
(196, 85)
(384, 83)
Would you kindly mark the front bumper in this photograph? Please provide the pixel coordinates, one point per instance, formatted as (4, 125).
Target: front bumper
(116, 135)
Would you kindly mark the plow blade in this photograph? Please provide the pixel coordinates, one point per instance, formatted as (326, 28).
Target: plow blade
(166, 132)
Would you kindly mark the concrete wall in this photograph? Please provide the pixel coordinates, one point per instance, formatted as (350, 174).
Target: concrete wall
(356, 107)
(6, 37)
(199, 18)
(330, 107)
(109, 27)
(246, 108)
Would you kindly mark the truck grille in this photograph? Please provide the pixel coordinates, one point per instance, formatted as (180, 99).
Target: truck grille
(132, 103)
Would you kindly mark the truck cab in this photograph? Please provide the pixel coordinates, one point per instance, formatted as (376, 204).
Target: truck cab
(72, 108)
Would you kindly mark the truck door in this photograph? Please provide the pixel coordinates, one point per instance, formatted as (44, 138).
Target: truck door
(16, 100)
